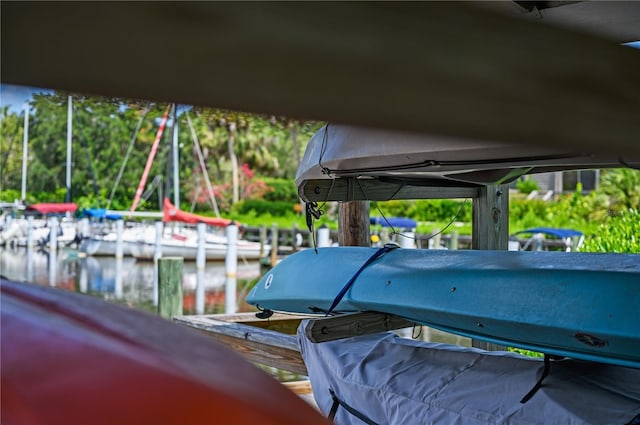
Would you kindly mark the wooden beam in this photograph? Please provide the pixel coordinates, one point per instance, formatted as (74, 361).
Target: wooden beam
(351, 189)
(259, 345)
(448, 68)
(352, 324)
(278, 322)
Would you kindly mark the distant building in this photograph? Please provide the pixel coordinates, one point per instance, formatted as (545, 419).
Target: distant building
(566, 181)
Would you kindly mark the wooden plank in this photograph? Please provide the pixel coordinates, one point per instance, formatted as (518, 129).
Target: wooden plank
(279, 322)
(258, 345)
(349, 189)
(299, 387)
(352, 324)
(449, 68)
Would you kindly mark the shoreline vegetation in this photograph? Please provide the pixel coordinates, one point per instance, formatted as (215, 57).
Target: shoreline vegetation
(251, 161)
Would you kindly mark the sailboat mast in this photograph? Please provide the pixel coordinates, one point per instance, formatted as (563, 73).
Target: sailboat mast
(176, 175)
(69, 134)
(154, 149)
(25, 152)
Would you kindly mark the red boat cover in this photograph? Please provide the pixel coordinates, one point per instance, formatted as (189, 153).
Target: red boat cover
(68, 358)
(172, 213)
(53, 208)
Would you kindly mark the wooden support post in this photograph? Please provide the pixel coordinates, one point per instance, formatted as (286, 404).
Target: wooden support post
(263, 239)
(274, 245)
(453, 242)
(170, 286)
(352, 324)
(294, 238)
(231, 270)
(437, 238)
(353, 224)
(490, 230)
(491, 218)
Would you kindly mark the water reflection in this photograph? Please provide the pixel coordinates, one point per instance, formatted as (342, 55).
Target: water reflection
(125, 280)
(131, 282)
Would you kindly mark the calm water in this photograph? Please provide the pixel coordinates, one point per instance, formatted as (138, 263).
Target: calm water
(131, 282)
(125, 281)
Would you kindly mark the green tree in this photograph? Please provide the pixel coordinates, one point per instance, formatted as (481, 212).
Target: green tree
(623, 186)
(619, 233)
(11, 136)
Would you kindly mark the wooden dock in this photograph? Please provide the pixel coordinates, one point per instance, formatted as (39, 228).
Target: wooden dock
(272, 342)
(269, 342)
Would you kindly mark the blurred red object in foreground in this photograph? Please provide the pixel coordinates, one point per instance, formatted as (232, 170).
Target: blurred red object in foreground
(72, 359)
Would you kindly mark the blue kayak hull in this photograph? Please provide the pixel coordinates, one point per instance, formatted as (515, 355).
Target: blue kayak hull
(580, 305)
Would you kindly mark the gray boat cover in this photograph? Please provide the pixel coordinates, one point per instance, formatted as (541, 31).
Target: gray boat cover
(393, 380)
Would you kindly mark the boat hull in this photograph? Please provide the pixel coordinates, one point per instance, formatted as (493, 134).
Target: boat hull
(72, 359)
(145, 251)
(341, 151)
(580, 305)
(103, 247)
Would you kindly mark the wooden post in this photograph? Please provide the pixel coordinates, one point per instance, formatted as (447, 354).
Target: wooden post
(274, 245)
(490, 230)
(453, 242)
(30, 233)
(491, 218)
(436, 239)
(324, 236)
(353, 224)
(170, 286)
(157, 254)
(53, 234)
(263, 239)
(294, 238)
(201, 261)
(231, 269)
(119, 243)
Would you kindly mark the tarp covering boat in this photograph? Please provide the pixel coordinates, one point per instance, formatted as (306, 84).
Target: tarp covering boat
(400, 222)
(392, 380)
(338, 150)
(53, 208)
(558, 233)
(172, 213)
(72, 359)
(100, 213)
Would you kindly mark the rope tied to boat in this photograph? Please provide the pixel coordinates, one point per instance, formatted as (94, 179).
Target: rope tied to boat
(545, 371)
(337, 403)
(379, 253)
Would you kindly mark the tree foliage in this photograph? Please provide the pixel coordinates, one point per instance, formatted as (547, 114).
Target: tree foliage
(103, 136)
(619, 233)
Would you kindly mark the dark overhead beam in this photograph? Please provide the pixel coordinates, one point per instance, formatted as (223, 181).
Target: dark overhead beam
(437, 67)
(352, 189)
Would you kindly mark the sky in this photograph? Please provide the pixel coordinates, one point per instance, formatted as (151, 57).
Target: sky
(15, 96)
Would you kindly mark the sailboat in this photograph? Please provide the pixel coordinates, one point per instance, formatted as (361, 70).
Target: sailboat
(180, 240)
(183, 241)
(15, 232)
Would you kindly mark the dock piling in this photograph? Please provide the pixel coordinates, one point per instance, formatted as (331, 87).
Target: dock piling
(170, 286)
(231, 267)
(201, 261)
